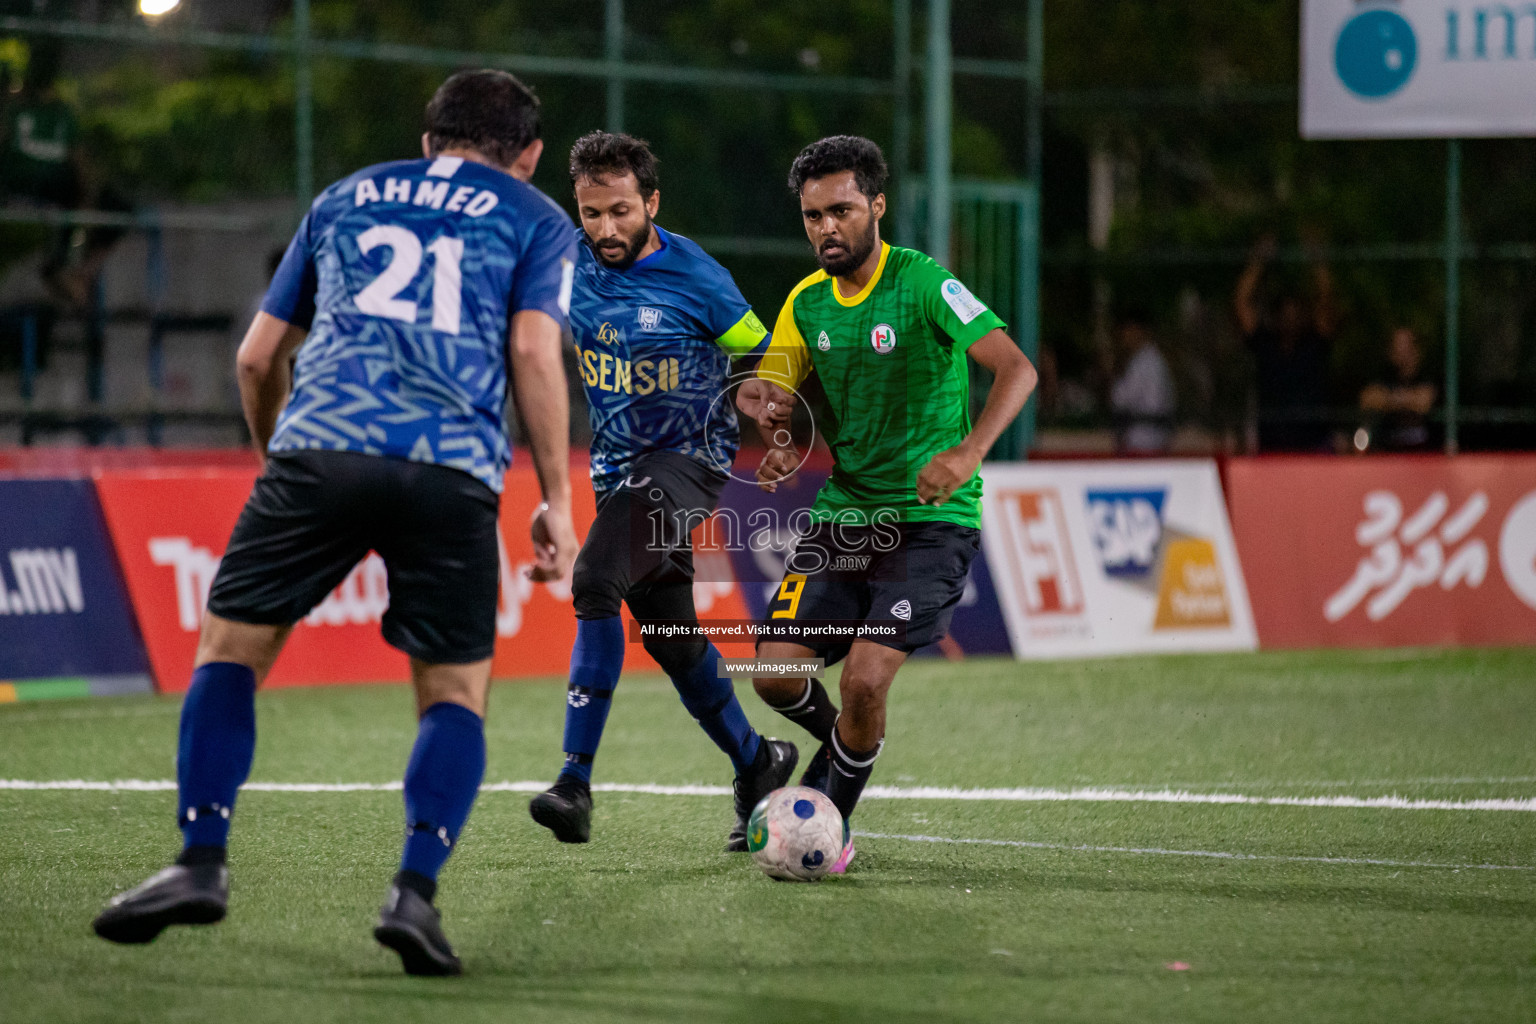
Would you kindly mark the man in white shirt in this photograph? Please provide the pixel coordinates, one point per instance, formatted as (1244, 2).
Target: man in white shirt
(1142, 398)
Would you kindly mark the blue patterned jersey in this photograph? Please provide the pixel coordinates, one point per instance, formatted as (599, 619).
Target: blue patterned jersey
(407, 275)
(653, 344)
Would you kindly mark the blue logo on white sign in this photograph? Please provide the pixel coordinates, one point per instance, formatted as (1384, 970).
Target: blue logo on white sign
(1376, 54)
(1127, 528)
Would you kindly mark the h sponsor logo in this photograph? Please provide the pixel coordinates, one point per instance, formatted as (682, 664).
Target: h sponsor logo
(1044, 568)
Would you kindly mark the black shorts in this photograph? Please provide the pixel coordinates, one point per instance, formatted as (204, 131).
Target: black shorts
(909, 576)
(641, 538)
(315, 514)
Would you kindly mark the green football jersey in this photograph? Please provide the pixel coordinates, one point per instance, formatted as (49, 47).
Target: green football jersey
(891, 363)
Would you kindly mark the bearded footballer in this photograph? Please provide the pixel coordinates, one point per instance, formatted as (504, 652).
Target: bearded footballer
(886, 332)
(656, 323)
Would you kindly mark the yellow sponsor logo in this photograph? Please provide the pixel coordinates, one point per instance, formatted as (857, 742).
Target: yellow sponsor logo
(1191, 593)
(608, 372)
(608, 334)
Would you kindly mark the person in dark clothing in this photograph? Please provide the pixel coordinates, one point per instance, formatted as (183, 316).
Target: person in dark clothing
(1292, 347)
(41, 161)
(1400, 399)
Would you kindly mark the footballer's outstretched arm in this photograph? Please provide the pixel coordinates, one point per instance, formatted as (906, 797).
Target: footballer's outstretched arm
(264, 368)
(1014, 379)
(538, 380)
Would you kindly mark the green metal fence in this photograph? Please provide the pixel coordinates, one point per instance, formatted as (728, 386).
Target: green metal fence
(302, 48)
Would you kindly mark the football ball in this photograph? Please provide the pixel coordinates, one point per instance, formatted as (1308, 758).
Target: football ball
(795, 834)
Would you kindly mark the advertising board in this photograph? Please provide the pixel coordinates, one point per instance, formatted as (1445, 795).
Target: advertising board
(1388, 551)
(1114, 558)
(170, 527)
(66, 628)
(1394, 69)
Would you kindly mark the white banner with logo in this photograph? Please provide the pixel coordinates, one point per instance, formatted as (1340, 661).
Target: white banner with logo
(1417, 69)
(1114, 558)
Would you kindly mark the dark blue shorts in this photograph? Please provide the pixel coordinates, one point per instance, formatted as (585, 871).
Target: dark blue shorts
(905, 578)
(313, 515)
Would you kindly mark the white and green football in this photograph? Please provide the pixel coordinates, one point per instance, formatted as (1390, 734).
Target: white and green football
(795, 834)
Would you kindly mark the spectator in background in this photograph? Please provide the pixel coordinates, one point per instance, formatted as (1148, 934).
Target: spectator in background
(41, 161)
(1401, 398)
(1292, 345)
(1142, 398)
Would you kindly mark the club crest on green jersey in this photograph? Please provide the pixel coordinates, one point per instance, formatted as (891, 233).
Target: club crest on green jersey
(883, 338)
(824, 343)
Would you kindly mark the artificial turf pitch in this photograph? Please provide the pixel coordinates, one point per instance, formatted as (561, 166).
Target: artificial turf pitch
(1109, 917)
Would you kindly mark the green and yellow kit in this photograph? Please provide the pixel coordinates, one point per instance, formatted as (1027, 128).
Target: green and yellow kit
(891, 361)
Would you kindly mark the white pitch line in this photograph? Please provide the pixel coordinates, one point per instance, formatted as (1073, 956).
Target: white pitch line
(1156, 851)
(57, 715)
(1018, 795)
(1425, 780)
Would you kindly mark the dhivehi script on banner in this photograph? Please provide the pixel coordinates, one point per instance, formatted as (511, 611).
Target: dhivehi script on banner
(1114, 558)
(1417, 69)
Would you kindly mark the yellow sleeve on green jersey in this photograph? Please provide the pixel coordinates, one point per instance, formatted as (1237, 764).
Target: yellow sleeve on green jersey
(744, 336)
(788, 361)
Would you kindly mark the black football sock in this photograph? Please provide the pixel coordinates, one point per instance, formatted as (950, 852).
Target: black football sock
(417, 882)
(850, 773)
(193, 856)
(812, 711)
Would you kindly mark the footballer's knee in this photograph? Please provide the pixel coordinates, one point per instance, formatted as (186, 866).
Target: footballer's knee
(863, 691)
(675, 659)
(596, 591)
(465, 685)
(240, 643)
(780, 690)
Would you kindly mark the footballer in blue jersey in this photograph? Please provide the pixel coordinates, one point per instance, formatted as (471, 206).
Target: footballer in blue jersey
(654, 342)
(406, 275)
(656, 322)
(408, 290)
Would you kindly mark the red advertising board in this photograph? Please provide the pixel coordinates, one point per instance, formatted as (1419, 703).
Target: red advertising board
(1388, 551)
(170, 528)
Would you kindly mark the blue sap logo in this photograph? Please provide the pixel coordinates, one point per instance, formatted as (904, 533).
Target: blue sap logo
(1376, 53)
(1127, 527)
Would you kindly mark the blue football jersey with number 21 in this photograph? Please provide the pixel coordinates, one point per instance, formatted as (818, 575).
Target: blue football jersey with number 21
(407, 275)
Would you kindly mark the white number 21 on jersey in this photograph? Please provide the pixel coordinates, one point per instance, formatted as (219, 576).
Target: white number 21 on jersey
(379, 297)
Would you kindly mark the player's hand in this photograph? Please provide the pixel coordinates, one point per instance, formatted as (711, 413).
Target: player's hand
(554, 544)
(766, 402)
(946, 473)
(776, 465)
